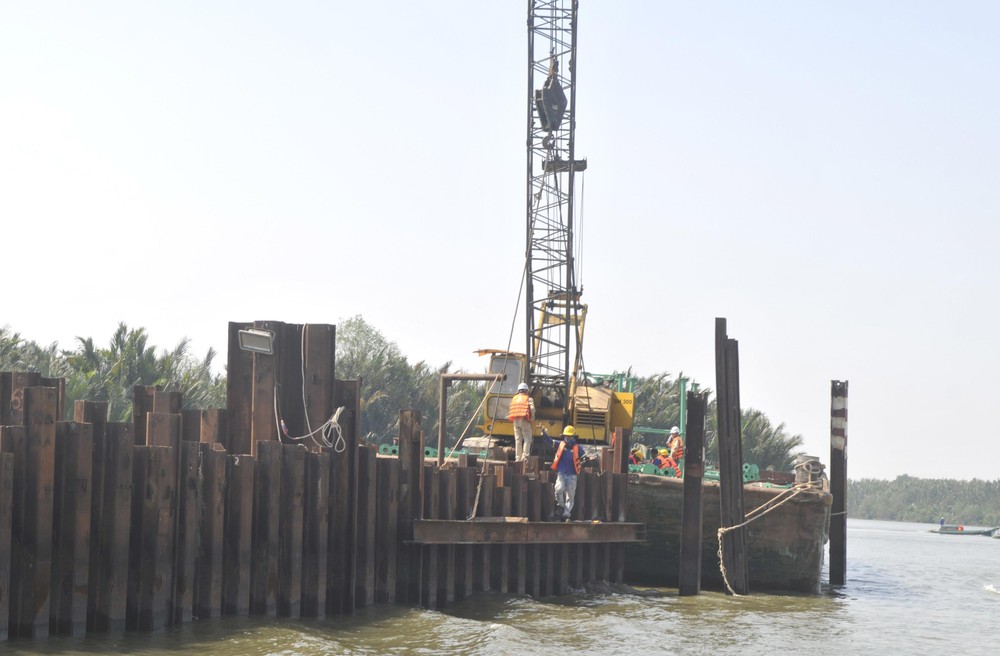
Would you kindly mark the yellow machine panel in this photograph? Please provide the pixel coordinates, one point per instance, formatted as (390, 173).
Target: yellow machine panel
(622, 409)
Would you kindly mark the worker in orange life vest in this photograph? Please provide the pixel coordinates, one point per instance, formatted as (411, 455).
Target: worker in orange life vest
(676, 446)
(635, 458)
(522, 412)
(567, 464)
(663, 461)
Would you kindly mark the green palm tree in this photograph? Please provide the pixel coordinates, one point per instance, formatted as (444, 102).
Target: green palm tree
(766, 445)
(109, 374)
(19, 354)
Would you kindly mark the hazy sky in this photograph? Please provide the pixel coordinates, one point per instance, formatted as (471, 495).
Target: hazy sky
(823, 175)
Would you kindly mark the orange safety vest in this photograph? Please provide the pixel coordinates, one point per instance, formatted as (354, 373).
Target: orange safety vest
(666, 462)
(676, 447)
(520, 407)
(576, 457)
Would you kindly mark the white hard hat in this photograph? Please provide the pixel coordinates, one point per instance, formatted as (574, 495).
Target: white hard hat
(523, 387)
(675, 431)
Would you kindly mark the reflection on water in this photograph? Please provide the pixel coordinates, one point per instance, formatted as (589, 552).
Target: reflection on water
(908, 591)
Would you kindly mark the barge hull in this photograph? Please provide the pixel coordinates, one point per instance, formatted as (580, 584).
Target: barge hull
(785, 546)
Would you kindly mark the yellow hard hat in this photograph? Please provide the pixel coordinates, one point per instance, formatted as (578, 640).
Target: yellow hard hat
(664, 452)
(569, 431)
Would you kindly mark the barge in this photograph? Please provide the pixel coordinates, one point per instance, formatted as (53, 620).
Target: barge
(785, 545)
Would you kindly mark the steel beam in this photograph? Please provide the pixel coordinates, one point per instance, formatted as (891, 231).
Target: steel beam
(518, 530)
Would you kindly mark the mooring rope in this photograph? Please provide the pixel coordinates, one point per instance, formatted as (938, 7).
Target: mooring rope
(754, 515)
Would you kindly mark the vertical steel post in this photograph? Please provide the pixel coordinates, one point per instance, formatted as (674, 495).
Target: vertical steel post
(683, 416)
(838, 482)
(689, 577)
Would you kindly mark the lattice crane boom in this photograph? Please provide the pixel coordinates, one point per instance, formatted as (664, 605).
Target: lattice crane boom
(554, 313)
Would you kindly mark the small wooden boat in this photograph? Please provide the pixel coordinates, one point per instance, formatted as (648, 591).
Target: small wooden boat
(959, 529)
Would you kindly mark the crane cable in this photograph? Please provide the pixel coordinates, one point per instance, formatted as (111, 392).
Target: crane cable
(489, 442)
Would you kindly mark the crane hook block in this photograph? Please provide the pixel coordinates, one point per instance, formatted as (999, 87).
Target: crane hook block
(550, 103)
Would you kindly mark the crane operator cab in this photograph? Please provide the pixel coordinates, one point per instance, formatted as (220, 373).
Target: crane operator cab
(595, 405)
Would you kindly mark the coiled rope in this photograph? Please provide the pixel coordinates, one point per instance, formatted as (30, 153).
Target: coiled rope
(322, 435)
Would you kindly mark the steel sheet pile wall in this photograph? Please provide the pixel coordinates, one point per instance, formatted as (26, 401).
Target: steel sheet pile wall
(179, 515)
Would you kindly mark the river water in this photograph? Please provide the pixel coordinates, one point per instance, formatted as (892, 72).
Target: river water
(908, 592)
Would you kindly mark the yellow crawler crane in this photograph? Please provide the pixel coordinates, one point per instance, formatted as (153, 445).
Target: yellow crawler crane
(594, 405)
(553, 365)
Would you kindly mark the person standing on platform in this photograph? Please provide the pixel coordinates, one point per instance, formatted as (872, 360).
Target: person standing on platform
(675, 444)
(567, 465)
(522, 413)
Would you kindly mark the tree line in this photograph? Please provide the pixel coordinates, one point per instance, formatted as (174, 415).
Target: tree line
(108, 373)
(389, 383)
(909, 499)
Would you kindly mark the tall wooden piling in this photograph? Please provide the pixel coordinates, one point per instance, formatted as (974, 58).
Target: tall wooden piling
(71, 528)
(142, 404)
(501, 551)
(388, 473)
(213, 427)
(239, 393)
(689, 578)
(838, 482)
(167, 402)
(94, 413)
(429, 553)
(344, 499)
(113, 556)
(13, 441)
(30, 615)
(267, 510)
(411, 486)
(447, 555)
(734, 542)
(20, 381)
(6, 517)
(151, 550)
(191, 425)
(6, 378)
(364, 578)
(266, 368)
(237, 534)
(533, 573)
(186, 549)
(290, 532)
(519, 553)
(464, 569)
(483, 553)
(315, 540)
(317, 357)
(208, 580)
